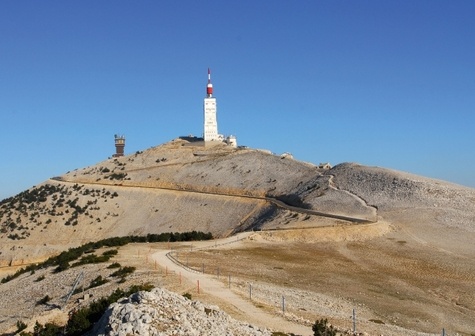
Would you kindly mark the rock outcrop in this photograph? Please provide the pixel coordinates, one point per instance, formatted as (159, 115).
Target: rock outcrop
(163, 313)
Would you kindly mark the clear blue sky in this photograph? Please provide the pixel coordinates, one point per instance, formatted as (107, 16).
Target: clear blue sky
(381, 83)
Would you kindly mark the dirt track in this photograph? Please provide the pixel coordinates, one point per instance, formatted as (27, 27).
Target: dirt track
(396, 285)
(392, 291)
(246, 308)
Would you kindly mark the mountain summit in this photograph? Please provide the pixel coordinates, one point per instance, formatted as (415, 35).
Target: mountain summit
(184, 185)
(396, 245)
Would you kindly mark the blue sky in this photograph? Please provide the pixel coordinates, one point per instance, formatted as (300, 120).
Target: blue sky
(381, 83)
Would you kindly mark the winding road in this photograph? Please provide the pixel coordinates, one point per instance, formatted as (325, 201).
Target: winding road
(271, 200)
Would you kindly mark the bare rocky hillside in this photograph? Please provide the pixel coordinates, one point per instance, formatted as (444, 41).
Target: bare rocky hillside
(184, 186)
(397, 244)
(436, 212)
(179, 186)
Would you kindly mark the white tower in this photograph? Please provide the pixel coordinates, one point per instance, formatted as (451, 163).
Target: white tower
(210, 108)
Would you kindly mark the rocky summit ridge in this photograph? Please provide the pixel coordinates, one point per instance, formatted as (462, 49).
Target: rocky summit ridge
(161, 312)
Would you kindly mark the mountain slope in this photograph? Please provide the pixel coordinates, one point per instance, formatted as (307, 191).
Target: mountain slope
(437, 213)
(183, 186)
(397, 244)
(179, 186)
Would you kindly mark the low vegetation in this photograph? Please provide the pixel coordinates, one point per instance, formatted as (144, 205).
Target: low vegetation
(43, 300)
(114, 265)
(94, 259)
(40, 278)
(47, 204)
(98, 281)
(117, 176)
(20, 325)
(82, 320)
(123, 271)
(322, 328)
(63, 260)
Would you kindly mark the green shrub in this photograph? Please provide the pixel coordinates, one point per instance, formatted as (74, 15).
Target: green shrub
(98, 281)
(91, 259)
(49, 329)
(187, 295)
(123, 271)
(110, 253)
(41, 277)
(14, 236)
(117, 176)
(20, 325)
(114, 265)
(43, 301)
(78, 290)
(62, 266)
(322, 328)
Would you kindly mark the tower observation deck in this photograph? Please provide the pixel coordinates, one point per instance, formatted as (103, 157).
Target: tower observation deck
(119, 145)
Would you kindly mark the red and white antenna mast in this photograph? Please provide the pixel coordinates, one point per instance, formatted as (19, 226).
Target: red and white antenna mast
(209, 87)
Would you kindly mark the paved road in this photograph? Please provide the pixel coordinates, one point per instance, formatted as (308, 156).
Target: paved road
(272, 200)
